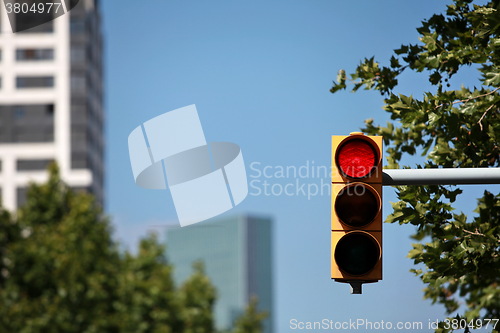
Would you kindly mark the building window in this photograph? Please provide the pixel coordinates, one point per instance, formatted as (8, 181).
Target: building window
(77, 25)
(79, 160)
(78, 83)
(77, 53)
(19, 112)
(27, 123)
(34, 81)
(34, 22)
(33, 165)
(34, 54)
(22, 194)
(81, 189)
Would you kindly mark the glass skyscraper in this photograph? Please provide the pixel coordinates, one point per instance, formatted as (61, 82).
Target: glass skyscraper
(237, 254)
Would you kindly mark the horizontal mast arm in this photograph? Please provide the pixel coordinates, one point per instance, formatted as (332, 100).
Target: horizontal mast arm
(445, 176)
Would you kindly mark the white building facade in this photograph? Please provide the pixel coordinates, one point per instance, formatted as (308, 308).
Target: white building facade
(51, 103)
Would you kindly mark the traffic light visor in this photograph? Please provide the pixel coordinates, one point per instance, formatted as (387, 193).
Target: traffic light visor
(357, 253)
(357, 158)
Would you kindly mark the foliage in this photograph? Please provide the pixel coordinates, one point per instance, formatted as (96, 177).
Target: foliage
(148, 299)
(197, 298)
(60, 271)
(59, 265)
(251, 320)
(451, 128)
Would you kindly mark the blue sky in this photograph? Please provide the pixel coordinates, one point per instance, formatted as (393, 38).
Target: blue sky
(259, 73)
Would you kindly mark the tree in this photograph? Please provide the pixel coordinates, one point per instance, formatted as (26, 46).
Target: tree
(451, 128)
(197, 298)
(59, 264)
(148, 300)
(251, 320)
(60, 271)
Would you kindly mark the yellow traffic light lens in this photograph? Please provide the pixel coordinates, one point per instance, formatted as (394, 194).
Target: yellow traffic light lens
(357, 253)
(357, 158)
(357, 204)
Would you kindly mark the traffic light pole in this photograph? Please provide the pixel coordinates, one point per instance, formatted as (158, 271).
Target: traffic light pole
(356, 287)
(443, 176)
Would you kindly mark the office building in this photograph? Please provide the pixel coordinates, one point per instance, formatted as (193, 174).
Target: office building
(51, 101)
(237, 255)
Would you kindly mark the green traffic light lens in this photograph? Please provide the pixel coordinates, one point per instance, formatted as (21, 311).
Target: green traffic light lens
(357, 253)
(357, 205)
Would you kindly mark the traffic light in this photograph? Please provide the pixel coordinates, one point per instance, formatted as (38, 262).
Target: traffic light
(356, 254)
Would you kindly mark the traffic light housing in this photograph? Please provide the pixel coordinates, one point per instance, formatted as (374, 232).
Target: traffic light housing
(356, 222)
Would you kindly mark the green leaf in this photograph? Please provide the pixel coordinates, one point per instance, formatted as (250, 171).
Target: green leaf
(492, 79)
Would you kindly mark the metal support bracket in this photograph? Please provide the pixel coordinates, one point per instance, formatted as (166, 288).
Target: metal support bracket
(356, 287)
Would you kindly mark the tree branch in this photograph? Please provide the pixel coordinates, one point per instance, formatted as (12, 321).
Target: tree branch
(476, 233)
(469, 99)
(484, 114)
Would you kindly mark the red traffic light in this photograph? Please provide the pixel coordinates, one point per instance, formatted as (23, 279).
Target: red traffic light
(356, 222)
(356, 158)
